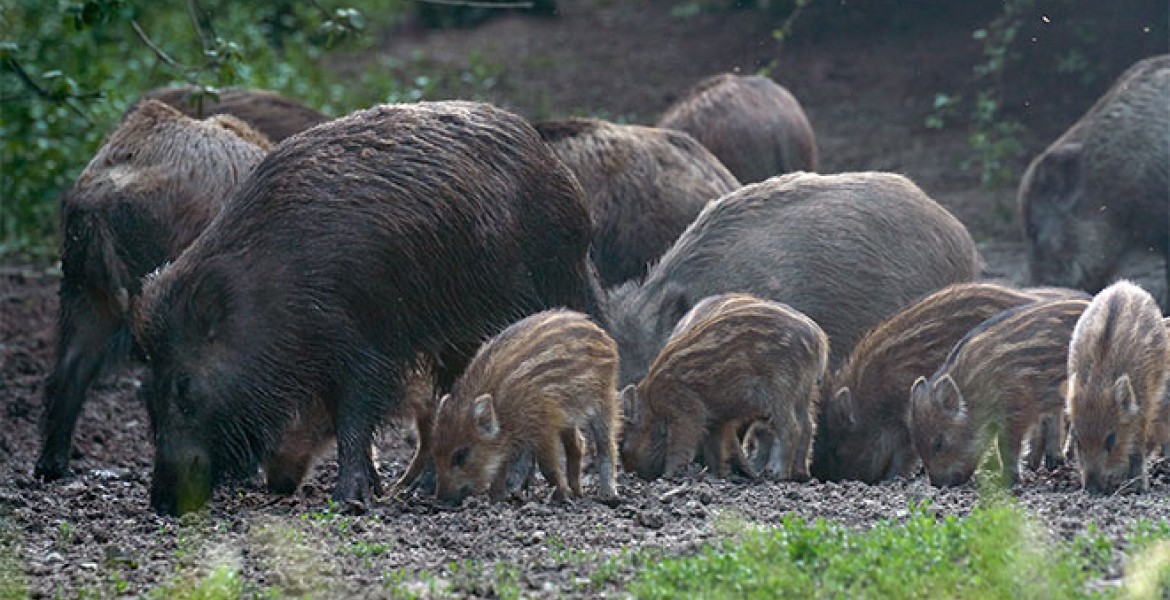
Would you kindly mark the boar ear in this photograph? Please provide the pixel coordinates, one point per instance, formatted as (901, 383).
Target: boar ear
(673, 308)
(844, 402)
(1124, 395)
(947, 394)
(208, 306)
(629, 403)
(1058, 177)
(483, 414)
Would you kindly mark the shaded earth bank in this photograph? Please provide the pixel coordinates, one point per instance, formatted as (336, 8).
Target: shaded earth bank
(867, 93)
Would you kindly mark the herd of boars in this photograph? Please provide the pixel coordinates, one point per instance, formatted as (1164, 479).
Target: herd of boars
(530, 293)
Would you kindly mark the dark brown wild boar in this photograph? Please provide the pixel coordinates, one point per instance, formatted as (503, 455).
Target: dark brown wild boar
(755, 127)
(737, 361)
(644, 185)
(847, 250)
(994, 388)
(155, 183)
(1097, 198)
(532, 388)
(1117, 387)
(863, 433)
(352, 248)
(269, 113)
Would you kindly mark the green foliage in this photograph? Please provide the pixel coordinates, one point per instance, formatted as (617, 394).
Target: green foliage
(993, 553)
(69, 69)
(221, 583)
(13, 585)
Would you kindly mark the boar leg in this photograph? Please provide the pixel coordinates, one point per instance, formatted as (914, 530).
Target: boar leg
(573, 454)
(422, 455)
(547, 460)
(88, 338)
(359, 411)
(679, 453)
(732, 451)
(604, 439)
(1009, 443)
(1052, 427)
(1137, 469)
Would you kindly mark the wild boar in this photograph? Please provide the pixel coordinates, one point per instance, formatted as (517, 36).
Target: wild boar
(737, 361)
(847, 250)
(1117, 386)
(531, 388)
(643, 185)
(394, 231)
(153, 186)
(753, 125)
(994, 388)
(1097, 198)
(863, 433)
(269, 113)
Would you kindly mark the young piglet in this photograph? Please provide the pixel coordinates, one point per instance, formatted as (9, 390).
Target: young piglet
(1117, 385)
(530, 389)
(734, 360)
(996, 386)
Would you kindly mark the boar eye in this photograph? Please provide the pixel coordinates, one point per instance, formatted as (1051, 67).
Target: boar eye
(1110, 442)
(460, 457)
(939, 442)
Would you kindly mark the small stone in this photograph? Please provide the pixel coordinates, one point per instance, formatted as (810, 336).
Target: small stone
(651, 519)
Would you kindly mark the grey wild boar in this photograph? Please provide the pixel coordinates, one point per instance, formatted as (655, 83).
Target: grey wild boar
(1097, 198)
(313, 293)
(273, 115)
(644, 185)
(863, 433)
(753, 125)
(993, 390)
(532, 388)
(847, 250)
(735, 361)
(154, 185)
(1117, 386)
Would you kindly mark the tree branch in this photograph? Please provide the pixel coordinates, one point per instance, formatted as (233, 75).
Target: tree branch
(163, 56)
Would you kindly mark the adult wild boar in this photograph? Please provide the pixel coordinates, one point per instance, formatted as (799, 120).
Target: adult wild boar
(752, 124)
(156, 182)
(397, 230)
(847, 250)
(1097, 198)
(643, 185)
(269, 113)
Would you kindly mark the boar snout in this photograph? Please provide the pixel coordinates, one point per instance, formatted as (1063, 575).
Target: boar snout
(181, 482)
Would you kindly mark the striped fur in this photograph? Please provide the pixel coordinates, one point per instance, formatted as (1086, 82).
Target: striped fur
(862, 433)
(531, 388)
(994, 387)
(733, 360)
(1117, 386)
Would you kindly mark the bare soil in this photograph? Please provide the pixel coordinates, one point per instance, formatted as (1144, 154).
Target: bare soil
(867, 96)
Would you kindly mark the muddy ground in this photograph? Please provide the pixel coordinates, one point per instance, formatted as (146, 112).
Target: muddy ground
(867, 97)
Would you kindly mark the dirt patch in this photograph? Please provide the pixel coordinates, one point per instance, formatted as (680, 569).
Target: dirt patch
(867, 98)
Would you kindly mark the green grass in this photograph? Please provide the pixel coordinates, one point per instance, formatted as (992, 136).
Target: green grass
(221, 583)
(993, 553)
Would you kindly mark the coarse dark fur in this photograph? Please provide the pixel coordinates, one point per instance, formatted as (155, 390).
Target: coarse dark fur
(994, 388)
(269, 113)
(1098, 197)
(153, 186)
(863, 433)
(753, 125)
(644, 185)
(531, 390)
(736, 361)
(397, 230)
(848, 250)
(1117, 385)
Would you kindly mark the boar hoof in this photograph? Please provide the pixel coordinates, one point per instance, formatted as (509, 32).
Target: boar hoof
(353, 508)
(612, 501)
(52, 471)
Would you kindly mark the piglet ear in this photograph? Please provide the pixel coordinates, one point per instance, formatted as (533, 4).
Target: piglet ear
(1124, 395)
(483, 414)
(948, 396)
(845, 406)
(919, 391)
